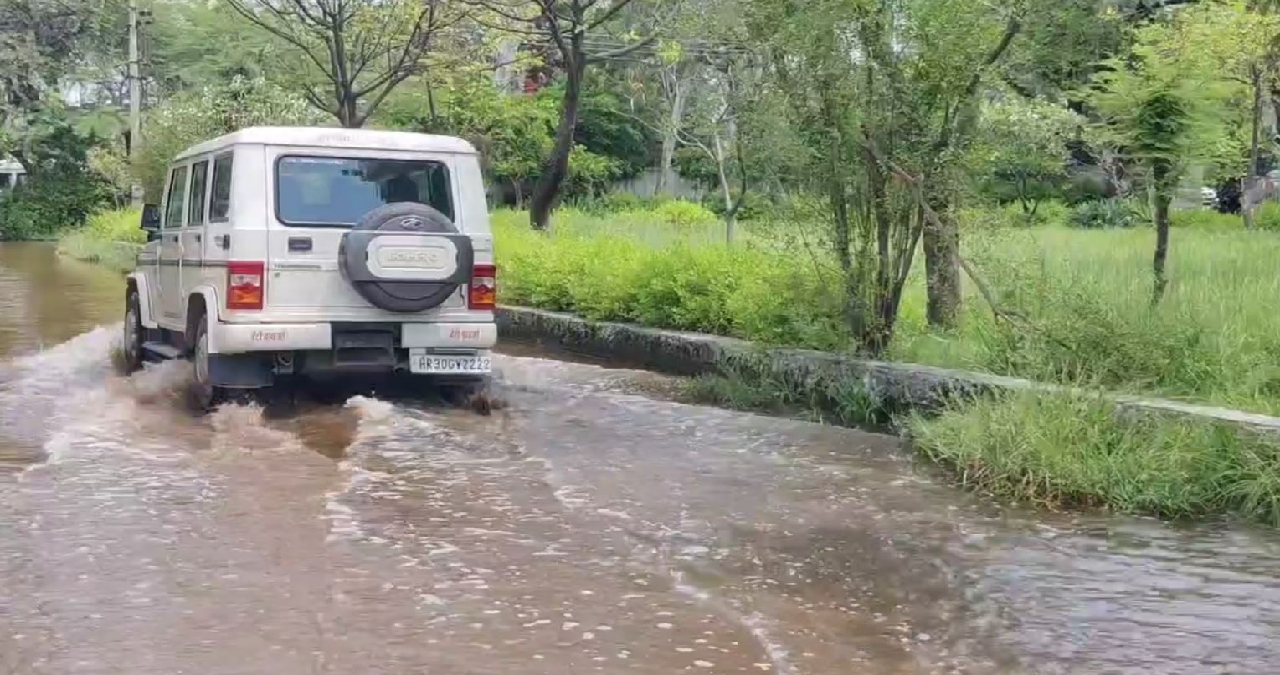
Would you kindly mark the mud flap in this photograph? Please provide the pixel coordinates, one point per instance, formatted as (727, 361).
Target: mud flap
(240, 371)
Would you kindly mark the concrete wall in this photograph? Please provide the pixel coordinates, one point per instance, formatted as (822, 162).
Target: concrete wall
(891, 386)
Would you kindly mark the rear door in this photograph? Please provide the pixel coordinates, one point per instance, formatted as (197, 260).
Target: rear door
(169, 260)
(193, 233)
(317, 196)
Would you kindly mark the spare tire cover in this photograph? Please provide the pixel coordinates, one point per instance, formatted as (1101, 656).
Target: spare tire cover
(397, 295)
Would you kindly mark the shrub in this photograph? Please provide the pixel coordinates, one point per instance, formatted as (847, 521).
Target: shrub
(681, 283)
(1268, 216)
(1204, 219)
(754, 207)
(1104, 214)
(681, 213)
(110, 238)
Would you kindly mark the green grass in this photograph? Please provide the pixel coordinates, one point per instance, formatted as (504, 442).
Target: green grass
(110, 238)
(1084, 293)
(1073, 451)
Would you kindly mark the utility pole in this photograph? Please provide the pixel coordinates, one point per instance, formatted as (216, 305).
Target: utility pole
(135, 95)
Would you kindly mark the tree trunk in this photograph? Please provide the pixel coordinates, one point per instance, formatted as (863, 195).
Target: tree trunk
(730, 209)
(670, 135)
(1255, 150)
(556, 168)
(942, 268)
(348, 112)
(1160, 174)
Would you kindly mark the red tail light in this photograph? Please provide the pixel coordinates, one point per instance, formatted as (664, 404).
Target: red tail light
(245, 282)
(483, 293)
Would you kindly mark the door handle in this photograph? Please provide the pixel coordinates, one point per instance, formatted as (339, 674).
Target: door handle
(197, 238)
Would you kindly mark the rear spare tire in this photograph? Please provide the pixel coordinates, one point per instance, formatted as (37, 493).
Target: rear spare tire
(405, 257)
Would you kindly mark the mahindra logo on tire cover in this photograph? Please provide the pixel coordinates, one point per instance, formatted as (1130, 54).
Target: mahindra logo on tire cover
(411, 223)
(411, 257)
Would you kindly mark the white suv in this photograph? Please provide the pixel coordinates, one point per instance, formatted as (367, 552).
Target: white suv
(281, 252)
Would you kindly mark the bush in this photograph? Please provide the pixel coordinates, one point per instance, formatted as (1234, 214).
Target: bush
(1080, 451)
(1104, 214)
(621, 202)
(754, 207)
(1204, 219)
(1268, 217)
(681, 213)
(45, 206)
(110, 238)
(628, 272)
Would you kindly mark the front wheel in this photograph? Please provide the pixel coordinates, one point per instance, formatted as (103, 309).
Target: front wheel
(132, 346)
(204, 394)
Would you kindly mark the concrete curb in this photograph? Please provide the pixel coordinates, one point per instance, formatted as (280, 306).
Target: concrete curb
(891, 386)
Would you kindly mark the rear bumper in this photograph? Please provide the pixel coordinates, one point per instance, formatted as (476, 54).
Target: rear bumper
(230, 338)
(253, 370)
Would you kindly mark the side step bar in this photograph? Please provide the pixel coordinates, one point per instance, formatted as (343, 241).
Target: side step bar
(161, 350)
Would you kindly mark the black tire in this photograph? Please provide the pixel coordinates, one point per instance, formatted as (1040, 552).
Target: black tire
(401, 296)
(204, 395)
(132, 345)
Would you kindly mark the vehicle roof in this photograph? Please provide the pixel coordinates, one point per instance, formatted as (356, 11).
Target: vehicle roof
(10, 165)
(333, 137)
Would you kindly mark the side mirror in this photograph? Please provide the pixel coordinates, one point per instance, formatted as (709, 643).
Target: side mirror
(151, 218)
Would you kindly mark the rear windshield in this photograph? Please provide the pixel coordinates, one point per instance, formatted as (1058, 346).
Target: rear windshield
(338, 192)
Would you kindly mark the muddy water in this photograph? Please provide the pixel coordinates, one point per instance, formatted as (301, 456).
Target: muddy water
(587, 527)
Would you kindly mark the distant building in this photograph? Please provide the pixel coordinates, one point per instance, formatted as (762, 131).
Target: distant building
(11, 173)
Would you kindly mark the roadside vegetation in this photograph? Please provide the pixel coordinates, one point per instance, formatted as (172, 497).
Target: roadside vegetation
(1018, 192)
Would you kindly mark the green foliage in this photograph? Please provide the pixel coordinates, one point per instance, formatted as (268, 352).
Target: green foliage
(196, 116)
(642, 270)
(1268, 217)
(1079, 297)
(606, 129)
(684, 214)
(1165, 104)
(1080, 451)
(1204, 219)
(1104, 214)
(60, 190)
(109, 238)
(1022, 149)
(514, 133)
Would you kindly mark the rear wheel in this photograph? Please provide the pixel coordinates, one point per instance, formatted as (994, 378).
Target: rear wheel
(203, 392)
(132, 346)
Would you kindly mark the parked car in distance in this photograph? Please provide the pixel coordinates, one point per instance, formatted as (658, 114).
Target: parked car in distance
(305, 253)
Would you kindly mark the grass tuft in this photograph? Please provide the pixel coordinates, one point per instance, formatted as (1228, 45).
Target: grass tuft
(1079, 451)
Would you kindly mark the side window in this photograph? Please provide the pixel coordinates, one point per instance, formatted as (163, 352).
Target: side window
(199, 181)
(176, 200)
(220, 202)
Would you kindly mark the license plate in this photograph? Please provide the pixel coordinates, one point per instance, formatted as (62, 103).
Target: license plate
(421, 361)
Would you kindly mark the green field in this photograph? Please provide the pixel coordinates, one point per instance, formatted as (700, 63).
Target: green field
(1084, 293)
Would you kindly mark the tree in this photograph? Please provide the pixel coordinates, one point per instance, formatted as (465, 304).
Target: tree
(362, 49)
(574, 30)
(40, 41)
(1163, 105)
(513, 133)
(1023, 145)
(194, 116)
(884, 95)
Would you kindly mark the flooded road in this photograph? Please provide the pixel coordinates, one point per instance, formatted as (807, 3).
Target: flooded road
(588, 527)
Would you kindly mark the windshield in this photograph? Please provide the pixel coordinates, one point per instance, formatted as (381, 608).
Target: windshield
(338, 192)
